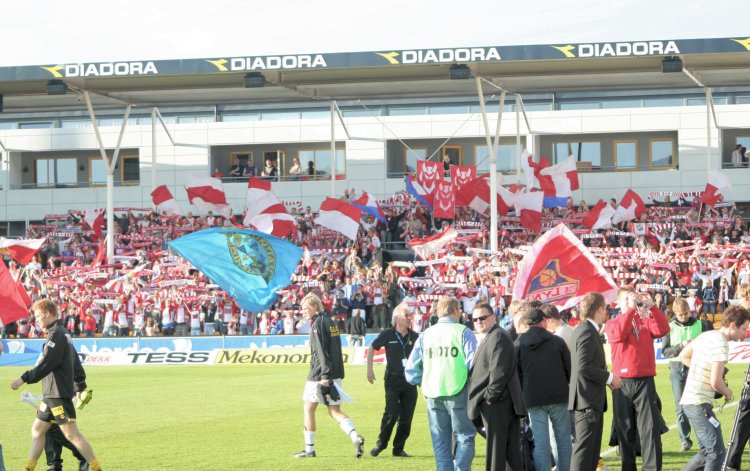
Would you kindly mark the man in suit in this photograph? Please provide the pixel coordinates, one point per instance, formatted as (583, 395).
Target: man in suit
(589, 376)
(495, 392)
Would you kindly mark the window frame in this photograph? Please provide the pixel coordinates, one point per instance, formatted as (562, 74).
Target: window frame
(315, 156)
(651, 165)
(89, 180)
(581, 141)
(53, 183)
(460, 154)
(232, 155)
(122, 170)
(635, 166)
(510, 171)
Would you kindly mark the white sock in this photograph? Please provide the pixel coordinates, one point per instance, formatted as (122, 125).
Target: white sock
(309, 441)
(348, 427)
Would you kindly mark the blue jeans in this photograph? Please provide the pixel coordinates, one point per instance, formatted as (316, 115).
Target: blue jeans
(710, 456)
(449, 419)
(558, 417)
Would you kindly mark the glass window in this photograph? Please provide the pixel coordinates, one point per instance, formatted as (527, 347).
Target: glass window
(208, 118)
(491, 108)
(318, 164)
(316, 114)
(97, 171)
(590, 151)
(744, 141)
(406, 110)
(449, 109)
(67, 171)
(130, 172)
(43, 125)
(55, 171)
(609, 104)
(411, 155)
(144, 120)
(361, 113)
(580, 105)
(110, 121)
(537, 106)
(626, 155)
(505, 159)
(455, 153)
(44, 172)
(75, 123)
(720, 100)
(742, 100)
(661, 152)
(654, 102)
(279, 115)
(233, 117)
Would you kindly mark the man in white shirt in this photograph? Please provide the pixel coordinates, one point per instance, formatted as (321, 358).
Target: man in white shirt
(706, 356)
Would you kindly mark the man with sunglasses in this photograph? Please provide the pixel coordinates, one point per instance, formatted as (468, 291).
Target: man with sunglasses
(495, 391)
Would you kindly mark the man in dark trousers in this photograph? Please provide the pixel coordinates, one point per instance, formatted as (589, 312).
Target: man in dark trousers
(495, 392)
(400, 396)
(588, 378)
(635, 406)
(738, 442)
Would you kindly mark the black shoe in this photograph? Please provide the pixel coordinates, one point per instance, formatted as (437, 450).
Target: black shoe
(359, 446)
(305, 454)
(375, 451)
(401, 454)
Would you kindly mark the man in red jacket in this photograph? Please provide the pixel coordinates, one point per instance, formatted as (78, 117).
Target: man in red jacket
(631, 336)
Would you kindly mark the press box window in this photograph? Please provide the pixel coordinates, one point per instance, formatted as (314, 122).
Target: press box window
(505, 158)
(130, 171)
(55, 172)
(581, 151)
(411, 156)
(626, 155)
(318, 163)
(661, 152)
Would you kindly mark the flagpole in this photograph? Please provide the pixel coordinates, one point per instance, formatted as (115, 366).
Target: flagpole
(333, 151)
(493, 158)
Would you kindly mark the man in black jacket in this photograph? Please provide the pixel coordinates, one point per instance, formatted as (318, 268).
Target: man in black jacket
(324, 380)
(544, 372)
(495, 392)
(589, 377)
(55, 370)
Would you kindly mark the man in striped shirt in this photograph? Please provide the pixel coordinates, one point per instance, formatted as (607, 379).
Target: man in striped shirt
(706, 357)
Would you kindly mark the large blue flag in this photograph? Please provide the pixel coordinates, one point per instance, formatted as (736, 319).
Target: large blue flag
(249, 265)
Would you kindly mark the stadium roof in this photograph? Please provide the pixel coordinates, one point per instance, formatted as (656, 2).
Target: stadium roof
(718, 62)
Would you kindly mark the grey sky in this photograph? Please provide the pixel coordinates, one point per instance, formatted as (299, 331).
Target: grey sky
(53, 32)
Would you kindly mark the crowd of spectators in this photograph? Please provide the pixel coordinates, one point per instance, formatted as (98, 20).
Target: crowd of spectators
(676, 248)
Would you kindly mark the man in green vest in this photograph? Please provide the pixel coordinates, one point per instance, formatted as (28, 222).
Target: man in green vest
(440, 363)
(682, 330)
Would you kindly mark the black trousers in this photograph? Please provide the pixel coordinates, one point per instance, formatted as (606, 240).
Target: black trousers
(400, 401)
(742, 427)
(589, 427)
(503, 436)
(635, 408)
(54, 442)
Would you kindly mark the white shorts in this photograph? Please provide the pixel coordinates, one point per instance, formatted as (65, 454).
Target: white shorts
(312, 394)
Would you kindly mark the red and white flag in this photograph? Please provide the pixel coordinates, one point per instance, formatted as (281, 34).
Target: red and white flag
(164, 201)
(426, 246)
(94, 220)
(444, 206)
(339, 216)
(429, 174)
(14, 300)
(264, 210)
(476, 195)
(631, 207)
(207, 194)
(559, 180)
(560, 270)
(460, 176)
(529, 208)
(717, 188)
(22, 250)
(599, 217)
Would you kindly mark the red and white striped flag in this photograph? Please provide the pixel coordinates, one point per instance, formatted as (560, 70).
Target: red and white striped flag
(13, 298)
(339, 216)
(22, 250)
(164, 201)
(264, 210)
(599, 217)
(426, 246)
(476, 195)
(207, 194)
(529, 209)
(94, 219)
(631, 207)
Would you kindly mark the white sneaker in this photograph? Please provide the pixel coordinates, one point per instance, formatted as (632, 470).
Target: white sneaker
(30, 399)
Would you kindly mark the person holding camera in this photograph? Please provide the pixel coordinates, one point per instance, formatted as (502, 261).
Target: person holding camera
(324, 380)
(631, 335)
(706, 357)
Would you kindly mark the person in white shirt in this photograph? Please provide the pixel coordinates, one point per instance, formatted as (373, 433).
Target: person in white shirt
(288, 323)
(195, 321)
(706, 356)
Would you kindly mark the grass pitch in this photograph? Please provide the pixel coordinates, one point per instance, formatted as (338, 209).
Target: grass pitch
(249, 418)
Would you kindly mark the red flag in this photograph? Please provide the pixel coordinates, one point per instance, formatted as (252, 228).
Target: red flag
(600, 216)
(207, 194)
(100, 254)
(428, 175)
(164, 201)
(717, 187)
(427, 246)
(445, 201)
(460, 176)
(631, 207)
(476, 195)
(264, 210)
(339, 216)
(15, 304)
(529, 209)
(94, 219)
(560, 270)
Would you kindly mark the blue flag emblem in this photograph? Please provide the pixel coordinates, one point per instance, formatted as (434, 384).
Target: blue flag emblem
(249, 265)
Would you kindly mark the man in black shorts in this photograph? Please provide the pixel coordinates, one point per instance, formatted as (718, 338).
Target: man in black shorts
(400, 396)
(56, 372)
